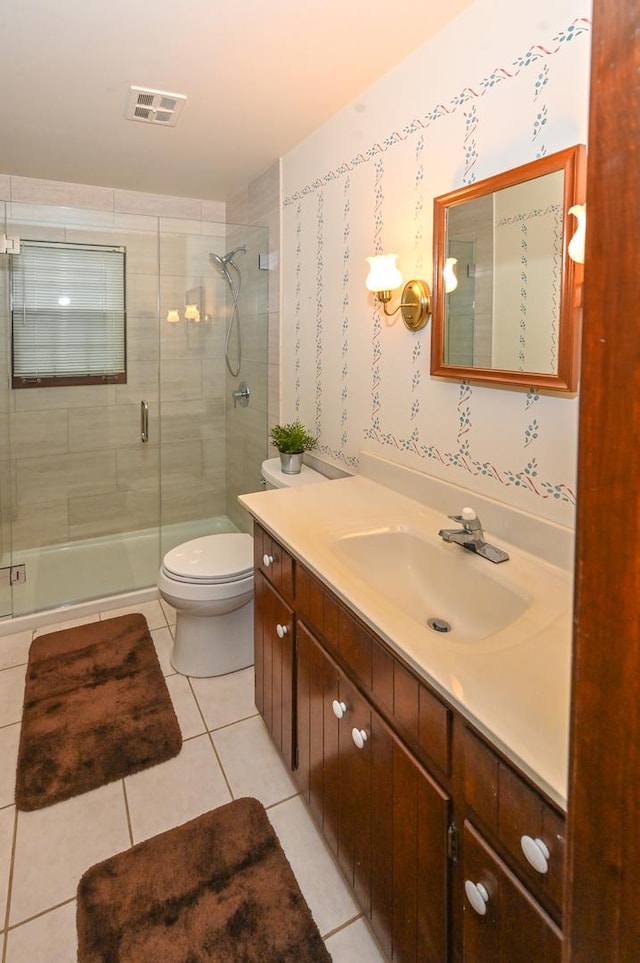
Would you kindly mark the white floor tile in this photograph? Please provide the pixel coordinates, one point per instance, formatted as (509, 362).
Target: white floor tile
(7, 818)
(163, 641)
(9, 739)
(185, 705)
(175, 791)
(251, 762)
(14, 649)
(12, 694)
(54, 846)
(226, 698)
(48, 939)
(354, 944)
(152, 612)
(324, 889)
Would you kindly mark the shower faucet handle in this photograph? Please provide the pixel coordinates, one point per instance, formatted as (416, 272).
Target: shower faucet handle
(241, 395)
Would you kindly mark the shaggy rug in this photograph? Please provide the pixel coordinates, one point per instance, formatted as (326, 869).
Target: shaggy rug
(96, 708)
(217, 889)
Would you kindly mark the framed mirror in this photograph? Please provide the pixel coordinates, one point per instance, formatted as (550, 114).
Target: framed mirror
(506, 294)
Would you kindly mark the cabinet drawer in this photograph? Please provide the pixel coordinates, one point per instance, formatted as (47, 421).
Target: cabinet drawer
(273, 561)
(518, 816)
(501, 921)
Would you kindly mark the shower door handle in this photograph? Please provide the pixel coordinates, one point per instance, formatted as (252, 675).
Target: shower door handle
(144, 422)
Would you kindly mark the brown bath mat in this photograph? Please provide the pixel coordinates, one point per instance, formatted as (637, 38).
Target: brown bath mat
(218, 888)
(96, 708)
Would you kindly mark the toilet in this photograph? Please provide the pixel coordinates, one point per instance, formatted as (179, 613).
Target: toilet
(209, 582)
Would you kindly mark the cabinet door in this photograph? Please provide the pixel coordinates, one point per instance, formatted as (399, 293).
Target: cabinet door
(382, 816)
(409, 822)
(502, 921)
(274, 645)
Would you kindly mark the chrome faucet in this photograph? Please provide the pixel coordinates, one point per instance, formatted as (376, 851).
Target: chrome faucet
(471, 536)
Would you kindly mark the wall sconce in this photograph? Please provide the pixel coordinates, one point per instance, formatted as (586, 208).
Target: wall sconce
(449, 275)
(173, 315)
(192, 312)
(415, 303)
(576, 244)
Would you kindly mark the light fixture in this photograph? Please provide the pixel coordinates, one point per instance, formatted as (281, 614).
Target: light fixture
(576, 244)
(192, 312)
(449, 275)
(415, 303)
(173, 315)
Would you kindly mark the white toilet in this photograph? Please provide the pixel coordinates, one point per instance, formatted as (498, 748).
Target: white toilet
(209, 582)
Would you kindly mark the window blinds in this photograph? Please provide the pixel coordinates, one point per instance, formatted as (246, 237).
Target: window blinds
(68, 313)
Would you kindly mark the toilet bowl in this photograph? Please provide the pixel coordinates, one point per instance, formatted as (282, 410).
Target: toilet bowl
(209, 582)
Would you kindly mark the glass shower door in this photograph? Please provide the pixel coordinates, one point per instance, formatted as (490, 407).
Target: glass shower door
(5, 467)
(86, 493)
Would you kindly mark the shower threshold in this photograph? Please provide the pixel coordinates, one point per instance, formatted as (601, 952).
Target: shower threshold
(73, 572)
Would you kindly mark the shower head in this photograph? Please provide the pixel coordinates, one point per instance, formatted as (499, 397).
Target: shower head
(220, 261)
(241, 249)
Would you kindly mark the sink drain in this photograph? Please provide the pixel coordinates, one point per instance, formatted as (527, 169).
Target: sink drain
(439, 625)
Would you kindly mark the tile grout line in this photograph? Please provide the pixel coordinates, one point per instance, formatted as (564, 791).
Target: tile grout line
(10, 884)
(213, 746)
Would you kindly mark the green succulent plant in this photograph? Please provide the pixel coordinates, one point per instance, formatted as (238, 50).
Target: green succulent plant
(292, 438)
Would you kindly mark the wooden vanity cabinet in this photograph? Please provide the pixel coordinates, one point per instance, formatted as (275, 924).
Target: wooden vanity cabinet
(412, 800)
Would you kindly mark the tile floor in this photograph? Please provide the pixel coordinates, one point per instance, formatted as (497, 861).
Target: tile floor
(226, 754)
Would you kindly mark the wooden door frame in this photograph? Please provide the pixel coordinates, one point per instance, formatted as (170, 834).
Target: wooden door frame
(602, 921)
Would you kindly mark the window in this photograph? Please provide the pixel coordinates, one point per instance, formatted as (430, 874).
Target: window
(68, 314)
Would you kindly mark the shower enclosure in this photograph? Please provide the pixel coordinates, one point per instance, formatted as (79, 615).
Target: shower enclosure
(99, 480)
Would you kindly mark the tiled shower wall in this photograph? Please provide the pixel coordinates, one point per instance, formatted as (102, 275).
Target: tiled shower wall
(502, 84)
(247, 447)
(78, 468)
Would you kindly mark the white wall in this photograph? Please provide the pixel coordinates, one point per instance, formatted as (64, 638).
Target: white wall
(501, 85)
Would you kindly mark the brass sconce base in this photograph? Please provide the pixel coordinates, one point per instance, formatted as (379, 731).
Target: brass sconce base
(415, 305)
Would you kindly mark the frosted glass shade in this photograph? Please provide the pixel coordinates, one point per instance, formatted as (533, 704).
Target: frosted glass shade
(383, 273)
(576, 244)
(173, 315)
(449, 275)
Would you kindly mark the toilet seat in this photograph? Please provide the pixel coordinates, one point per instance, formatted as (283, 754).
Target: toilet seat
(211, 560)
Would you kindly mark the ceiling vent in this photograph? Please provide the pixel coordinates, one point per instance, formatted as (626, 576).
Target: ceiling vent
(154, 106)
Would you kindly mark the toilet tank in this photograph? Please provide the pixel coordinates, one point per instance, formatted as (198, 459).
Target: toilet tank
(276, 478)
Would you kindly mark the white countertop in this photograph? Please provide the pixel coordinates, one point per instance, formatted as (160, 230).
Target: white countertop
(515, 687)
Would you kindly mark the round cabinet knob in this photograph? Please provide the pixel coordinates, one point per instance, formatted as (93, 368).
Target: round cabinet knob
(477, 895)
(339, 708)
(282, 630)
(267, 560)
(359, 737)
(536, 853)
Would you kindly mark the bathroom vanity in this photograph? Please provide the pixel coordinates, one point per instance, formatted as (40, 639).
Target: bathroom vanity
(452, 842)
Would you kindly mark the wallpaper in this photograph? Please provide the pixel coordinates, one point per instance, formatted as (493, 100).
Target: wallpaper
(498, 87)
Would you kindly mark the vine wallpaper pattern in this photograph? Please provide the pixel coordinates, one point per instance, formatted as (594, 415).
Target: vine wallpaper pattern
(359, 378)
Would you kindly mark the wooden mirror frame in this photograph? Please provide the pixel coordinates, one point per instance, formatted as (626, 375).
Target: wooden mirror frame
(572, 161)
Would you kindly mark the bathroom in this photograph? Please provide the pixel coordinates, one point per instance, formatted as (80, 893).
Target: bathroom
(364, 182)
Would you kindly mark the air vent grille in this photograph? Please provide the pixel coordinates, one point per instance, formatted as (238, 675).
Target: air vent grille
(154, 106)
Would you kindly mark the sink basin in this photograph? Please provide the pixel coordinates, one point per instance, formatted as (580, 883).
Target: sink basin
(429, 580)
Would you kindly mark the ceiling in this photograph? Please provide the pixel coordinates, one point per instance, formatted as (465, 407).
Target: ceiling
(259, 75)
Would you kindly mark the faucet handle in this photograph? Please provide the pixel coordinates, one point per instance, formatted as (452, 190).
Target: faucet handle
(466, 516)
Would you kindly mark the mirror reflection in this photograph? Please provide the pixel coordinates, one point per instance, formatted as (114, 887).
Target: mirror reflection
(504, 286)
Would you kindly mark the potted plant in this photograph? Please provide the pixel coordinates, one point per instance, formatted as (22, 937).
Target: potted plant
(292, 441)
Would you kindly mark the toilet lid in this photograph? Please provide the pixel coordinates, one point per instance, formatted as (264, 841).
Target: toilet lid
(213, 558)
